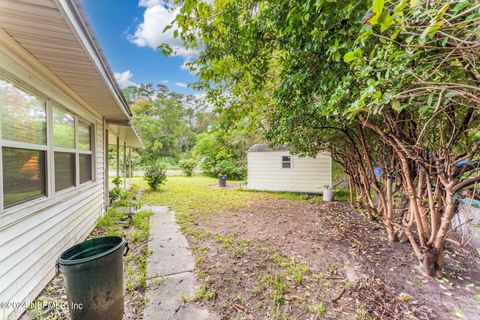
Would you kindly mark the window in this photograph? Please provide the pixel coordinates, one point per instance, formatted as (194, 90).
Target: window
(23, 139)
(85, 168)
(23, 116)
(36, 137)
(63, 129)
(85, 152)
(84, 136)
(286, 162)
(64, 170)
(64, 149)
(23, 175)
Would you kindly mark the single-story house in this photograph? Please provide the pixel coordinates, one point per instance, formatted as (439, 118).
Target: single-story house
(276, 169)
(60, 108)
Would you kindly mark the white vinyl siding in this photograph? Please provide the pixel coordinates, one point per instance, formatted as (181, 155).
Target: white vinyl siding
(266, 172)
(33, 234)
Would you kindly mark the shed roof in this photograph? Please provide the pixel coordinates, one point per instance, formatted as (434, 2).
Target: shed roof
(264, 147)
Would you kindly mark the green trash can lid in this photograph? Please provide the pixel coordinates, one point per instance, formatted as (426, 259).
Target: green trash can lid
(91, 250)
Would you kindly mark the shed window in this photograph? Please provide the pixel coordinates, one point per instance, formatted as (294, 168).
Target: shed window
(286, 162)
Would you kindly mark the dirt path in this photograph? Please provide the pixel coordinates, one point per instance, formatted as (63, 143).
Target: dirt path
(287, 259)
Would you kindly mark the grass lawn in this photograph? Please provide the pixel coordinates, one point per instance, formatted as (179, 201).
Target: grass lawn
(266, 255)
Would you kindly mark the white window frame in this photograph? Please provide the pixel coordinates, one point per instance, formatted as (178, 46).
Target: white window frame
(90, 152)
(73, 150)
(282, 162)
(50, 150)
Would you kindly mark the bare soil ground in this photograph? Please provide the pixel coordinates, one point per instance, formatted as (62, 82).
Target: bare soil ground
(291, 259)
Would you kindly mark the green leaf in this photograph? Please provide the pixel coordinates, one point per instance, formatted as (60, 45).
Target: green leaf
(405, 297)
(395, 34)
(477, 297)
(430, 30)
(460, 6)
(353, 55)
(165, 48)
(386, 21)
(442, 11)
(349, 57)
(377, 9)
(459, 313)
(397, 106)
(377, 6)
(358, 53)
(400, 6)
(167, 27)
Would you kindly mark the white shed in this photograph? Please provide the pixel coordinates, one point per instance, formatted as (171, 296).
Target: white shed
(275, 169)
(60, 107)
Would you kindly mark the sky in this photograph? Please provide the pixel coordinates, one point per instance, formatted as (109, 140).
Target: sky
(129, 32)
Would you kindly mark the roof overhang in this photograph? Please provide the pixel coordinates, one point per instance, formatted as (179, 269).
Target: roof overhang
(57, 34)
(125, 134)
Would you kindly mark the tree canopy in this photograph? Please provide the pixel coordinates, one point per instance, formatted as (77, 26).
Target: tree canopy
(392, 85)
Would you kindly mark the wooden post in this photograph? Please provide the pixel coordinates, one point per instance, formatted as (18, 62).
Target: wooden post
(124, 165)
(106, 166)
(118, 156)
(130, 170)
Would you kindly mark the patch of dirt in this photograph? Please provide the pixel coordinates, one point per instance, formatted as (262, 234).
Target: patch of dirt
(286, 259)
(230, 185)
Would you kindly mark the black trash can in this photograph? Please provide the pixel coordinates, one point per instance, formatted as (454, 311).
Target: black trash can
(93, 273)
(222, 180)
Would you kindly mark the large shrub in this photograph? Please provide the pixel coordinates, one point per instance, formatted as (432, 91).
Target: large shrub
(188, 165)
(223, 153)
(231, 169)
(156, 175)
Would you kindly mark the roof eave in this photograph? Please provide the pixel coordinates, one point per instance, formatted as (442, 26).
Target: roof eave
(75, 14)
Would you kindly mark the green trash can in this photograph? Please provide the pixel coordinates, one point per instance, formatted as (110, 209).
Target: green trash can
(93, 273)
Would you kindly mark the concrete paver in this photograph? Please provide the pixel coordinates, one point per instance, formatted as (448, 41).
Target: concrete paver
(171, 265)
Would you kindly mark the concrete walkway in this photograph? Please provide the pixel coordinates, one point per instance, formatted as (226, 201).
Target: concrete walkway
(171, 271)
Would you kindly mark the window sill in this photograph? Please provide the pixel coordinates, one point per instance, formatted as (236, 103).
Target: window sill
(22, 211)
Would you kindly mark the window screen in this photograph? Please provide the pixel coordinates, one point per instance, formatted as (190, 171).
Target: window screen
(64, 170)
(23, 116)
(63, 129)
(84, 136)
(286, 162)
(85, 167)
(23, 175)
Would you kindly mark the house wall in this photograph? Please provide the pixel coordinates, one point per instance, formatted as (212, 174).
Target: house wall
(310, 175)
(32, 235)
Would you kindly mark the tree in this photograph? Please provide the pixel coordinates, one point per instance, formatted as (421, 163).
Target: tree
(167, 121)
(380, 84)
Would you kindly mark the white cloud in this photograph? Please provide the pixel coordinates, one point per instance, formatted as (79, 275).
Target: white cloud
(181, 84)
(165, 81)
(185, 65)
(149, 33)
(124, 79)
